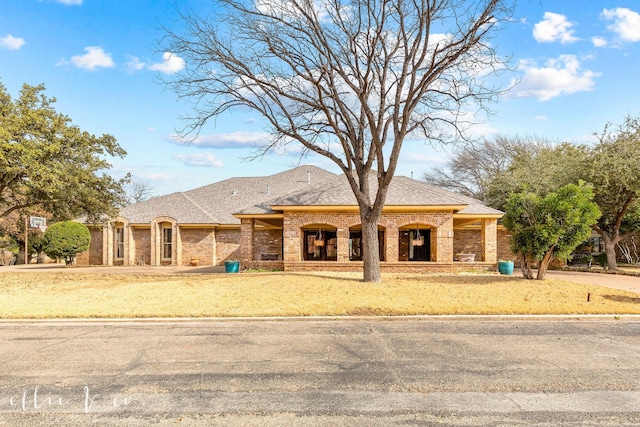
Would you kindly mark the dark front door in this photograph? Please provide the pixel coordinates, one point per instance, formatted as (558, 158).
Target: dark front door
(419, 245)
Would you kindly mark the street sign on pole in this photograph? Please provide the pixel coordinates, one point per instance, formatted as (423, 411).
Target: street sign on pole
(37, 222)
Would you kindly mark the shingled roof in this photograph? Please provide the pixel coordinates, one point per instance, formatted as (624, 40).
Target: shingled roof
(216, 203)
(402, 191)
(302, 186)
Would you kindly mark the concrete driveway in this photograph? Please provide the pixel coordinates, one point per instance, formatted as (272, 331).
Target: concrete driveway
(615, 281)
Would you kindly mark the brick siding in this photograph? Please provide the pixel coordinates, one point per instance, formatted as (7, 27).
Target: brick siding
(227, 245)
(267, 243)
(93, 255)
(504, 248)
(197, 243)
(141, 245)
(468, 242)
(390, 267)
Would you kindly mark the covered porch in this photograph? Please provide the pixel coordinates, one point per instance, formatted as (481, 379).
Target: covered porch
(425, 241)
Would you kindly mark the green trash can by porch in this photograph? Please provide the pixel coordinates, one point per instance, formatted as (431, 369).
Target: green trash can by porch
(505, 267)
(231, 266)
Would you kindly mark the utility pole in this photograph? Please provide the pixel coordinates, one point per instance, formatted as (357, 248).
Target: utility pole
(26, 239)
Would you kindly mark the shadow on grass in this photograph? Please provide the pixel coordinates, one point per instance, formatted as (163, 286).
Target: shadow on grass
(453, 279)
(463, 279)
(205, 270)
(622, 298)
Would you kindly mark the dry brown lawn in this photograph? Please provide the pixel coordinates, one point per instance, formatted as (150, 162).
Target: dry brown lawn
(116, 295)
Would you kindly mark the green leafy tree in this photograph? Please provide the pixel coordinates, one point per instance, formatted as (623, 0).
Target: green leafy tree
(612, 166)
(66, 239)
(551, 226)
(49, 164)
(614, 171)
(349, 80)
(542, 169)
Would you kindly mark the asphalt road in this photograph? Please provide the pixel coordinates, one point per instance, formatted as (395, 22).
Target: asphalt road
(403, 372)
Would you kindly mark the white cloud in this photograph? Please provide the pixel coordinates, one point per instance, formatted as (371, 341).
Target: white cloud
(428, 157)
(134, 64)
(626, 23)
(560, 76)
(94, 58)
(554, 27)
(11, 43)
(542, 118)
(170, 64)
(154, 176)
(70, 2)
(285, 9)
(599, 41)
(227, 140)
(199, 160)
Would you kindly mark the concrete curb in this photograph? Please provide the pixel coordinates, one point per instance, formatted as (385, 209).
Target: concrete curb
(493, 318)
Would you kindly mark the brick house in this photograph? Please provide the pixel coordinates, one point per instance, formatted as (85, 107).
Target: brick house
(301, 219)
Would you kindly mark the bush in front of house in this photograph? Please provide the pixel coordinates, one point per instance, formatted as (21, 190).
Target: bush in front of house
(66, 239)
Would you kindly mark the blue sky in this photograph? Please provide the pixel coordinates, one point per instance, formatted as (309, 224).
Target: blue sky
(578, 65)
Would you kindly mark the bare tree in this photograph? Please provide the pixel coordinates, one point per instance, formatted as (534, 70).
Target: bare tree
(629, 249)
(346, 79)
(473, 166)
(138, 191)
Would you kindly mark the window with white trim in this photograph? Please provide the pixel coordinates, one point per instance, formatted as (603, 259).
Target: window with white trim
(167, 242)
(119, 243)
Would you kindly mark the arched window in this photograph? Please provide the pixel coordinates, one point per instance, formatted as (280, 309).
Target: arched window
(167, 242)
(414, 244)
(320, 244)
(118, 242)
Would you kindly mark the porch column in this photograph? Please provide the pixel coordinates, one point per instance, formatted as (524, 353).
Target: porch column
(489, 239)
(107, 244)
(176, 253)
(444, 242)
(154, 243)
(214, 251)
(392, 244)
(129, 247)
(291, 240)
(343, 244)
(246, 239)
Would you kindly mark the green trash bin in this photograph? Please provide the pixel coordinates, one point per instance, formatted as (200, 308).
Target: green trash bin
(505, 267)
(231, 266)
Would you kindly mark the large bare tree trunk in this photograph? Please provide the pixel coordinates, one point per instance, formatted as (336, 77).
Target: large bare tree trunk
(370, 250)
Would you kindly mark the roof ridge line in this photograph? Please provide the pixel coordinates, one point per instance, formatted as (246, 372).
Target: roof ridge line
(198, 206)
(461, 197)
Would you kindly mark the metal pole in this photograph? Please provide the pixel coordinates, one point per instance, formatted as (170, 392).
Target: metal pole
(26, 240)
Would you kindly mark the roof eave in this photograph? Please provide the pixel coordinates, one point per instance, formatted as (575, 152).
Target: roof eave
(413, 208)
(477, 216)
(259, 215)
